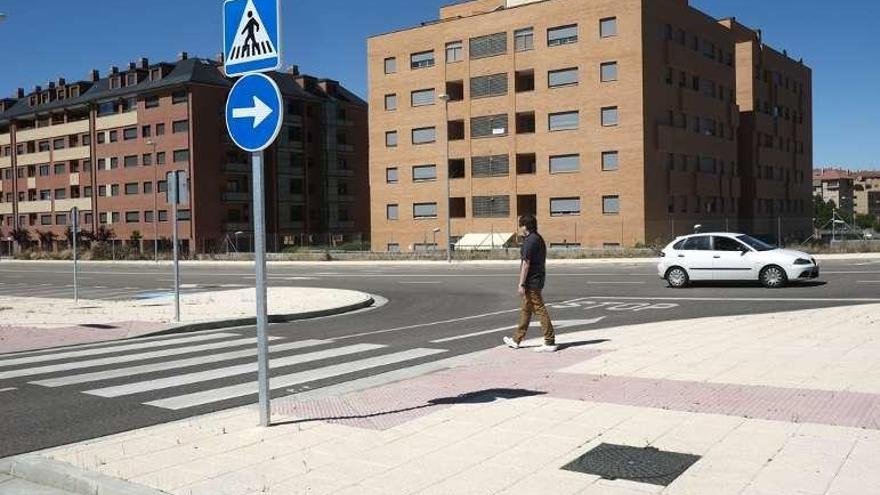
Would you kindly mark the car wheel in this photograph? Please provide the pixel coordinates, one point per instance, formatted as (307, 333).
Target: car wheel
(773, 277)
(677, 278)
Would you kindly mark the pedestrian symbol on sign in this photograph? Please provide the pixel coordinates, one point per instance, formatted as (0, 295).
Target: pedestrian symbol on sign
(251, 34)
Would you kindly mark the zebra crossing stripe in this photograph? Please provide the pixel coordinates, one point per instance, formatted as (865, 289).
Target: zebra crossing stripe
(109, 350)
(168, 365)
(54, 368)
(245, 389)
(216, 374)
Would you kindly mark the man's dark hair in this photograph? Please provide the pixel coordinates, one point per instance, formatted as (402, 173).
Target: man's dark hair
(529, 222)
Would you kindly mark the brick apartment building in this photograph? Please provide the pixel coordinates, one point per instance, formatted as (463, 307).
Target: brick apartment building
(853, 192)
(616, 122)
(105, 145)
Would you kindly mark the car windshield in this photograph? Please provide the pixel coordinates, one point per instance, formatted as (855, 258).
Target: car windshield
(756, 244)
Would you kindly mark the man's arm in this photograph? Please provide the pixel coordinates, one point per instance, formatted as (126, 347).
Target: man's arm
(523, 272)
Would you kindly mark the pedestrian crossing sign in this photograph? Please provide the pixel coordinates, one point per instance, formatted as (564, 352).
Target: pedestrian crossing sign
(251, 36)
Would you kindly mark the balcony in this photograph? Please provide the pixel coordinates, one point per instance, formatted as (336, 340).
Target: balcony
(52, 131)
(236, 168)
(114, 121)
(34, 207)
(236, 197)
(63, 205)
(67, 154)
(34, 158)
(5, 208)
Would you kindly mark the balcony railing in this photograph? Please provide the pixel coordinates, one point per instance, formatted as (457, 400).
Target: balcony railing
(236, 197)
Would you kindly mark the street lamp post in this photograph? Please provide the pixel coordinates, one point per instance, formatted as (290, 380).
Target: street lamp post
(434, 240)
(445, 99)
(155, 162)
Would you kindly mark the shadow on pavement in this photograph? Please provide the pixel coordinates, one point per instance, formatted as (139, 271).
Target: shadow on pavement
(583, 343)
(478, 397)
(794, 284)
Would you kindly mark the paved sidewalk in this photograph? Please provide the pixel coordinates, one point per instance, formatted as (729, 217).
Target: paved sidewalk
(775, 404)
(35, 323)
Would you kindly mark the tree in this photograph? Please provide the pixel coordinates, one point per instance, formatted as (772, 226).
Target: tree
(823, 210)
(68, 235)
(102, 235)
(46, 238)
(866, 221)
(21, 236)
(136, 239)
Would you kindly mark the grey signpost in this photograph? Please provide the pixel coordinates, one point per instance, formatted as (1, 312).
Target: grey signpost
(74, 233)
(251, 46)
(177, 194)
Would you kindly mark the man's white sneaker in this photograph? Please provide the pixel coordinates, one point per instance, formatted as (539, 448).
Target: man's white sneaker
(509, 342)
(547, 348)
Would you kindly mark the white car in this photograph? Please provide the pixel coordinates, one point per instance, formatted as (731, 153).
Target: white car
(726, 256)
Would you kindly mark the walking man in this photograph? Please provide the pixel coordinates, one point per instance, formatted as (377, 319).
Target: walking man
(532, 275)
(250, 30)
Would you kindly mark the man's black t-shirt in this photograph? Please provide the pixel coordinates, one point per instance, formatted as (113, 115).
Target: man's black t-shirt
(534, 251)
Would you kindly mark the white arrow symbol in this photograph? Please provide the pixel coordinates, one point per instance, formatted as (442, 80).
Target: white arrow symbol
(259, 112)
(556, 325)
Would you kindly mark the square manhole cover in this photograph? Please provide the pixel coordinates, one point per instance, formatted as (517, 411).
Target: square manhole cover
(642, 465)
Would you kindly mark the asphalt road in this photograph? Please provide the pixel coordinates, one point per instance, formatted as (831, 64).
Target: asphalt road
(433, 312)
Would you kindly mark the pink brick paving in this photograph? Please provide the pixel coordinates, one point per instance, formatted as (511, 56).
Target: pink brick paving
(394, 404)
(15, 339)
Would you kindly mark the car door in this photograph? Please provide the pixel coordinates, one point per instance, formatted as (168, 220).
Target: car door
(732, 260)
(696, 257)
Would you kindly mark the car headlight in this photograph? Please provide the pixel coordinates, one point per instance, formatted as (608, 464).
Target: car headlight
(802, 261)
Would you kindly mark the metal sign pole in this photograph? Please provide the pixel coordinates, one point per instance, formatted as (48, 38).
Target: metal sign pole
(174, 199)
(74, 213)
(260, 269)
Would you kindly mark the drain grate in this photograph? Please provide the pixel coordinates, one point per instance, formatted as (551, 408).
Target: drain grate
(643, 465)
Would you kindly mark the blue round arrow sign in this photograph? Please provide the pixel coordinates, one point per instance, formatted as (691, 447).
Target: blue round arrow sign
(254, 112)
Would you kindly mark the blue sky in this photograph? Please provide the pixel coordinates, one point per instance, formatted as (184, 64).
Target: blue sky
(44, 40)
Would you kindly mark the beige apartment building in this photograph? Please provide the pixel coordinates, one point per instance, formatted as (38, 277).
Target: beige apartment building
(616, 122)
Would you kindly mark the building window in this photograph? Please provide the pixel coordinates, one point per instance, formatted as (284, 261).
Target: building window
(114, 136)
(45, 219)
(608, 71)
(424, 210)
(130, 161)
(488, 46)
(490, 206)
(132, 217)
(131, 188)
(179, 126)
(44, 170)
(393, 247)
(162, 186)
(609, 161)
(565, 163)
(422, 97)
(421, 60)
(178, 97)
(114, 190)
(490, 166)
(392, 212)
(114, 163)
(489, 126)
(565, 207)
(486, 86)
(147, 160)
(608, 27)
(163, 215)
(562, 77)
(391, 176)
(181, 156)
(390, 65)
(60, 168)
(424, 135)
(422, 173)
(524, 39)
(160, 158)
(58, 144)
(160, 129)
(391, 139)
(563, 121)
(454, 52)
(456, 168)
(151, 102)
(146, 131)
(60, 194)
(611, 205)
(609, 117)
(148, 216)
(148, 188)
(129, 133)
(391, 102)
(562, 35)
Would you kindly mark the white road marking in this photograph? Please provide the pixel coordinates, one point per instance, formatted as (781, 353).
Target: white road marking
(283, 381)
(216, 374)
(108, 350)
(10, 389)
(177, 351)
(442, 322)
(556, 324)
(168, 365)
(420, 283)
(869, 282)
